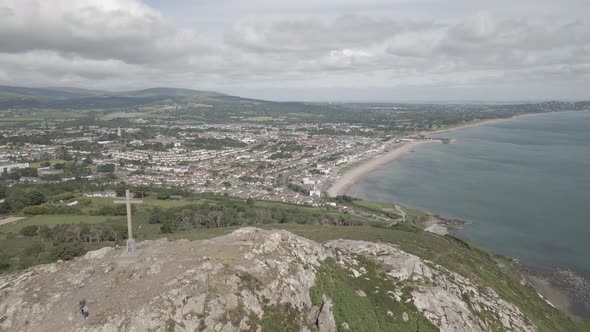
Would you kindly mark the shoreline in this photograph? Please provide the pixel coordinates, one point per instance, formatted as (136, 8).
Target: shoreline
(347, 183)
(482, 123)
(565, 290)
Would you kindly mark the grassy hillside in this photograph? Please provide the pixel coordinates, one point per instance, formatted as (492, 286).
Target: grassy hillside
(485, 269)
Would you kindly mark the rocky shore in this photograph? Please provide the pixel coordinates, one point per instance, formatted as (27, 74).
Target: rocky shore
(563, 288)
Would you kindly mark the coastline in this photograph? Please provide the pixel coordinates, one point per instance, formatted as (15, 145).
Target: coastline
(565, 290)
(481, 123)
(347, 183)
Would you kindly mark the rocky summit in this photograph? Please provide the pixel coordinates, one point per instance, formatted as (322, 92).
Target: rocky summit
(251, 280)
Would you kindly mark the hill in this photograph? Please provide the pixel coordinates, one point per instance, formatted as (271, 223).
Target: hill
(270, 280)
(74, 98)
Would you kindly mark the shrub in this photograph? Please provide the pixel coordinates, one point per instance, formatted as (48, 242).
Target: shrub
(51, 209)
(67, 251)
(35, 249)
(30, 230)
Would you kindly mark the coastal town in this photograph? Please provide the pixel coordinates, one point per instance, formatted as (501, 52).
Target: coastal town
(273, 162)
(204, 142)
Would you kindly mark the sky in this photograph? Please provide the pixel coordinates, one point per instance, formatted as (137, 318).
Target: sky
(328, 50)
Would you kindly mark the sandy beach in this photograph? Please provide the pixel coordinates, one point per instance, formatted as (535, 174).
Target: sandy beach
(347, 183)
(481, 123)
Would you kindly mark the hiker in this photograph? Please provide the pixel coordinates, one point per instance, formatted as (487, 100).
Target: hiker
(84, 308)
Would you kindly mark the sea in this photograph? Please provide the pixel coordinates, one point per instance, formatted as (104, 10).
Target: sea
(524, 184)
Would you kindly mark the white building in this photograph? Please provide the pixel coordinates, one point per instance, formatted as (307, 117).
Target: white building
(106, 193)
(7, 168)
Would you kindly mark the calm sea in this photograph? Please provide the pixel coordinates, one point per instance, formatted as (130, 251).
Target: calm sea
(525, 185)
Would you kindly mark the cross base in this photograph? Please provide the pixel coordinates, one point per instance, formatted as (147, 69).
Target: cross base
(130, 246)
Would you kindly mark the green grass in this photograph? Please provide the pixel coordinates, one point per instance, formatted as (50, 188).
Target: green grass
(461, 256)
(365, 313)
(51, 220)
(37, 164)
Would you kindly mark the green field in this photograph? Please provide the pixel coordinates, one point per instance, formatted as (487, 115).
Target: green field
(37, 164)
(51, 220)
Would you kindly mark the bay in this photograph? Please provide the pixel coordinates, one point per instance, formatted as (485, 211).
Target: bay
(524, 184)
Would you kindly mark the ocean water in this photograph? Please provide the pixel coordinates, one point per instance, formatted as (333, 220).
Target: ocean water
(524, 183)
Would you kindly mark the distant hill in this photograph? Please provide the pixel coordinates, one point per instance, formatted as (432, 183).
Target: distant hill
(16, 92)
(66, 97)
(168, 92)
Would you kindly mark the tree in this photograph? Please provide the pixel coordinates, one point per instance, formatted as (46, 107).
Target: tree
(108, 168)
(250, 201)
(164, 194)
(65, 154)
(88, 160)
(142, 189)
(3, 190)
(30, 230)
(35, 197)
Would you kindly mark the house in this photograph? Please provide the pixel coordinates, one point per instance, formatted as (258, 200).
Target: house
(9, 167)
(106, 193)
(29, 179)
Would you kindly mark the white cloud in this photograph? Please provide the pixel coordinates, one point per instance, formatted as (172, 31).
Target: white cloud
(128, 44)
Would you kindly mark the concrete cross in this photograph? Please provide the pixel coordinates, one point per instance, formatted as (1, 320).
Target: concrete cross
(128, 201)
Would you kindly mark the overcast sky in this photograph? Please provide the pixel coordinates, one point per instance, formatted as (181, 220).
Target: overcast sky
(328, 50)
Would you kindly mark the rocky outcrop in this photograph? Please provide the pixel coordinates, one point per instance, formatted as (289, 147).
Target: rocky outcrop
(450, 301)
(230, 283)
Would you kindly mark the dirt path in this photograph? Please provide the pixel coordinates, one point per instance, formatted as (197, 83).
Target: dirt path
(9, 220)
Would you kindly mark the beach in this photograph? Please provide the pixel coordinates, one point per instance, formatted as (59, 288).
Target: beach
(481, 123)
(347, 183)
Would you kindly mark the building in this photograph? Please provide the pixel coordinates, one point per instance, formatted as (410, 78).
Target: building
(9, 167)
(106, 193)
(29, 179)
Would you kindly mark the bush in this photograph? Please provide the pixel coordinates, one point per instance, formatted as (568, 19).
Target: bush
(36, 249)
(51, 209)
(64, 196)
(67, 251)
(113, 210)
(30, 230)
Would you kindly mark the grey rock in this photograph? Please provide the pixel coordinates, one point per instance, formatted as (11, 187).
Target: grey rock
(326, 322)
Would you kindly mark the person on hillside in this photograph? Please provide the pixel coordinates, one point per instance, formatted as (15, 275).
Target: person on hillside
(84, 308)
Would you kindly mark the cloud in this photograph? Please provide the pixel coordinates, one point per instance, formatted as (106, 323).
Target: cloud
(118, 44)
(314, 35)
(126, 30)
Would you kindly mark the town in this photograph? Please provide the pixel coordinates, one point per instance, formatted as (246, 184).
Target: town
(271, 162)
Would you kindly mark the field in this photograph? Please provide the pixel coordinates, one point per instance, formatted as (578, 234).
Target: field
(37, 164)
(51, 220)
